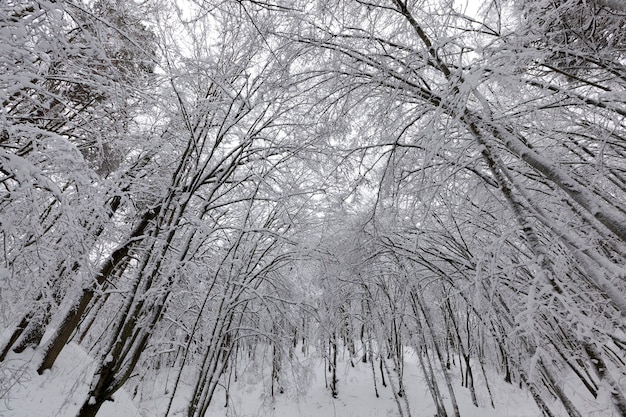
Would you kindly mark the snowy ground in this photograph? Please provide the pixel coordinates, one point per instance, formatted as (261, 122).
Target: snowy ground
(357, 397)
(59, 392)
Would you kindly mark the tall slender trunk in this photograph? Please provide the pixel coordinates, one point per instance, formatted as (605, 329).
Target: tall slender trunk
(32, 327)
(74, 315)
(426, 363)
(17, 332)
(332, 343)
(436, 346)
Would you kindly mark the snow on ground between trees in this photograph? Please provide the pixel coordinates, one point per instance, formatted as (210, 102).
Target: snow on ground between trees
(59, 392)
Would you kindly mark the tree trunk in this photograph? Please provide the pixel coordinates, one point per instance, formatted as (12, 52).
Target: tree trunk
(15, 335)
(446, 374)
(333, 380)
(72, 319)
(90, 408)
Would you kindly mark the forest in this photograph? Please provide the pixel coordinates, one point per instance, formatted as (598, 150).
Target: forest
(187, 183)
